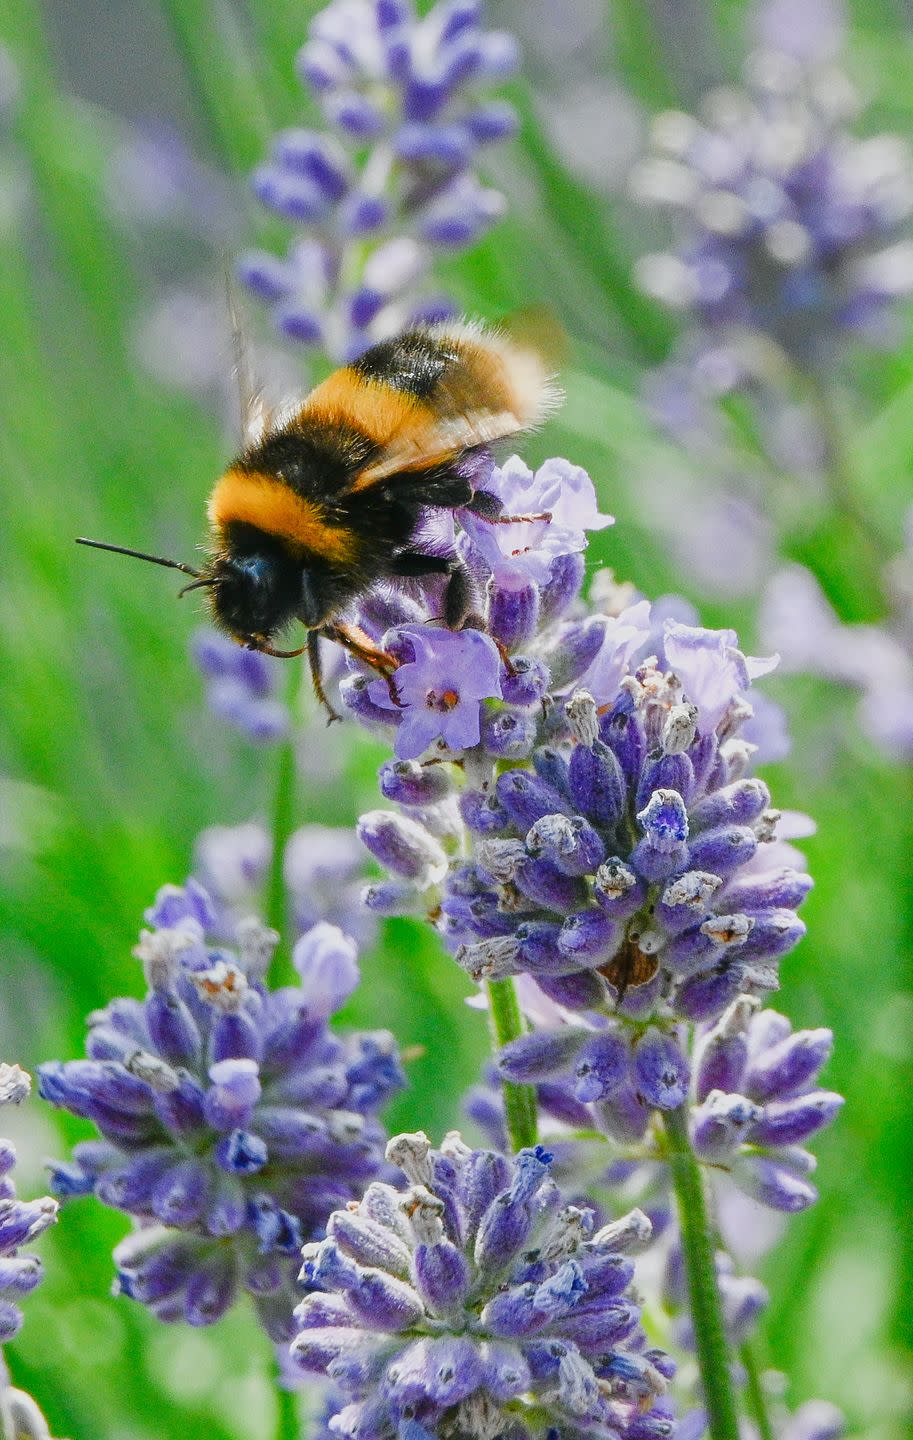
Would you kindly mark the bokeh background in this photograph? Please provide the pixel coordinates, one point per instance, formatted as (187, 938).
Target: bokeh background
(127, 136)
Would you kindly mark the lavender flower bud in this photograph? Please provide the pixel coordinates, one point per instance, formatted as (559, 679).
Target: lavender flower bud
(402, 846)
(405, 782)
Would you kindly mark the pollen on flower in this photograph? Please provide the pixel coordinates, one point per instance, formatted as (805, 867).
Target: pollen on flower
(445, 700)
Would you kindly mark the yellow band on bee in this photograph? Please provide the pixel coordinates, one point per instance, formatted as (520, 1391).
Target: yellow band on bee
(373, 407)
(271, 505)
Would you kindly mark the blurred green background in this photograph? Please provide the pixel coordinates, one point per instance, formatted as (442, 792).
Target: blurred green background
(110, 763)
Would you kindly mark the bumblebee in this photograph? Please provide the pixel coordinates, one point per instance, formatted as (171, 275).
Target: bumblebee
(331, 499)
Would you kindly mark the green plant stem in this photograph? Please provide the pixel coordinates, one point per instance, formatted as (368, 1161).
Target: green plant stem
(754, 1391)
(840, 479)
(283, 820)
(507, 1024)
(703, 1292)
(285, 796)
(288, 1425)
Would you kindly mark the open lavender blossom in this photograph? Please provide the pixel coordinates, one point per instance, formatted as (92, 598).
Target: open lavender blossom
(232, 1119)
(789, 228)
(21, 1222)
(476, 1303)
(392, 178)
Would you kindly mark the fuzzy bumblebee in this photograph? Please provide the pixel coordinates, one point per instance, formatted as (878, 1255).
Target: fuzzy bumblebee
(332, 498)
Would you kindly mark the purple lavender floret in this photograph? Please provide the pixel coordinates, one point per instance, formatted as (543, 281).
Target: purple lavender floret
(788, 227)
(241, 686)
(21, 1222)
(232, 1119)
(406, 105)
(442, 679)
(477, 1302)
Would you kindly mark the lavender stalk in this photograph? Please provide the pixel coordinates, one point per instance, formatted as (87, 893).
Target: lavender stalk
(506, 1025)
(288, 1422)
(703, 1292)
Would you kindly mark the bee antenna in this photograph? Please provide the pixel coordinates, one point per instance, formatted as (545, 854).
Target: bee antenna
(197, 585)
(141, 555)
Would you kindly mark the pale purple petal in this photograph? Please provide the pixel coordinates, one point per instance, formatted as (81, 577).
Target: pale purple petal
(623, 636)
(711, 667)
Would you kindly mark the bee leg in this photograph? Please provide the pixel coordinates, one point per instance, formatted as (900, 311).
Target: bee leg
(317, 675)
(488, 507)
(459, 597)
(413, 563)
(485, 505)
(506, 661)
(458, 591)
(354, 639)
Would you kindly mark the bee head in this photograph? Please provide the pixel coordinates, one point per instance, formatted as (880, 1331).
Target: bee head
(253, 594)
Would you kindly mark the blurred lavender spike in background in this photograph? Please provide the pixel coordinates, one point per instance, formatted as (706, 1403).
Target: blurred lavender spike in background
(241, 686)
(323, 868)
(789, 229)
(876, 661)
(815, 1420)
(393, 180)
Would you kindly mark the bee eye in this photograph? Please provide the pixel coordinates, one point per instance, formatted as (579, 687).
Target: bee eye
(254, 571)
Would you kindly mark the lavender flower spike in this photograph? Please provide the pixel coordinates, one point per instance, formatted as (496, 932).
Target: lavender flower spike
(753, 1097)
(622, 855)
(232, 1120)
(476, 1302)
(404, 99)
(21, 1222)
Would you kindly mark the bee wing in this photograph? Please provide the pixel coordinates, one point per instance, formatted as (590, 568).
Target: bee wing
(432, 444)
(487, 387)
(256, 415)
